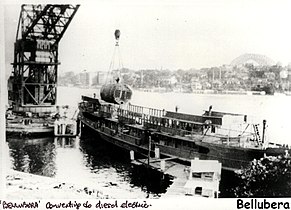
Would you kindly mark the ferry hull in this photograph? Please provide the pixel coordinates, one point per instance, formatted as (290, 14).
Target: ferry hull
(113, 139)
(178, 135)
(231, 158)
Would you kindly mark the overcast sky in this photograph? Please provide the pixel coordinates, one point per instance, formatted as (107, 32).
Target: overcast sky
(169, 34)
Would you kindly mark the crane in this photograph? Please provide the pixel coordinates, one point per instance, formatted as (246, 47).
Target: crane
(33, 83)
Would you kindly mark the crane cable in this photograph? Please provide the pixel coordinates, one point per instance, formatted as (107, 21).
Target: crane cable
(120, 64)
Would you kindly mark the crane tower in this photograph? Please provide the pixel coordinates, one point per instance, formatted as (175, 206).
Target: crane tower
(33, 83)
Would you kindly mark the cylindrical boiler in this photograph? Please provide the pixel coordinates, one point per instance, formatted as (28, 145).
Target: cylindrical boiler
(116, 93)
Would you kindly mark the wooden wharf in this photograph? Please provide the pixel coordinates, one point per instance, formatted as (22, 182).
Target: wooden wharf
(182, 175)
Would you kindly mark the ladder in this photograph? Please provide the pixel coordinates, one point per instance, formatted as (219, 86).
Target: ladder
(257, 133)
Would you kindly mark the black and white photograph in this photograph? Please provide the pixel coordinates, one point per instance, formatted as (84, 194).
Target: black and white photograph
(146, 100)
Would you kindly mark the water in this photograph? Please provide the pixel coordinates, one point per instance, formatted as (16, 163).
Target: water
(87, 162)
(95, 163)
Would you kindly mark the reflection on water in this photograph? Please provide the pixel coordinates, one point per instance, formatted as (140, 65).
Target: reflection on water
(101, 155)
(33, 156)
(93, 162)
(87, 161)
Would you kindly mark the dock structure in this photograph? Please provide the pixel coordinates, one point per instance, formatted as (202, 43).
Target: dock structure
(201, 179)
(65, 126)
(204, 178)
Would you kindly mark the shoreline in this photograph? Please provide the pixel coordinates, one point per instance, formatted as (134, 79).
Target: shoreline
(198, 92)
(21, 185)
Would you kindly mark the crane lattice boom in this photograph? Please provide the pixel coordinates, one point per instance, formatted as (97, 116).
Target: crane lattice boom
(34, 79)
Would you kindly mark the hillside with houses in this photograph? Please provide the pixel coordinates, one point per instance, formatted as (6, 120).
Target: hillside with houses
(245, 77)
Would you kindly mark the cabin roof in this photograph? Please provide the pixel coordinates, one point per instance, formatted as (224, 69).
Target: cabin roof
(220, 114)
(191, 122)
(186, 121)
(90, 99)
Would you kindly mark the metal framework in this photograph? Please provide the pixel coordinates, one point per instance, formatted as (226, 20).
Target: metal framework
(261, 60)
(35, 67)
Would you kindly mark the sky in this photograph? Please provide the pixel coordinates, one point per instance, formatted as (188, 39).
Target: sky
(168, 34)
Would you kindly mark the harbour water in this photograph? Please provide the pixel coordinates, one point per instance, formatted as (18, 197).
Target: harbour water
(86, 162)
(93, 162)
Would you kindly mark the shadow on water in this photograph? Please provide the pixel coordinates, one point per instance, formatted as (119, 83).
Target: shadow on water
(150, 180)
(101, 154)
(36, 156)
(39, 156)
(228, 182)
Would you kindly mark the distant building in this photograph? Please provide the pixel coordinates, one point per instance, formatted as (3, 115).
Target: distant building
(170, 80)
(255, 59)
(84, 78)
(270, 75)
(101, 77)
(195, 85)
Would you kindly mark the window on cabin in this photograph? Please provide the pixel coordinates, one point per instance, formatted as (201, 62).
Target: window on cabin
(168, 142)
(117, 93)
(197, 175)
(189, 127)
(177, 143)
(165, 142)
(171, 142)
(132, 131)
(190, 144)
(212, 129)
(184, 126)
(184, 143)
(138, 133)
(123, 95)
(181, 124)
(208, 175)
(198, 191)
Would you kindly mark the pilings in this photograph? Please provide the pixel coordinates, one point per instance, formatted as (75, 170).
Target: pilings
(65, 127)
(131, 155)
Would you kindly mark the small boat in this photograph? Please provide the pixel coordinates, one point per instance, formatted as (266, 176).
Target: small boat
(263, 89)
